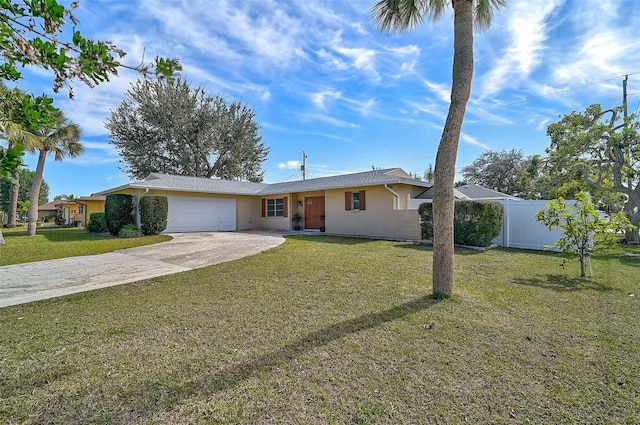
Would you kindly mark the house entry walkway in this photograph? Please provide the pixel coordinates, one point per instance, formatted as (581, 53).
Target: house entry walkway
(23, 283)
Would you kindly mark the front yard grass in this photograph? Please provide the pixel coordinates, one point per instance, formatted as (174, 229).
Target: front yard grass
(58, 242)
(325, 330)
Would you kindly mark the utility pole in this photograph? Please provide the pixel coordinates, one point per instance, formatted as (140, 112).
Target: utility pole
(303, 167)
(624, 98)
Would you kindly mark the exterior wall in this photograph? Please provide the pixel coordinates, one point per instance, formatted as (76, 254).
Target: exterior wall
(248, 208)
(379, 219)
(89, 208)
(43, 213)
(275, 223)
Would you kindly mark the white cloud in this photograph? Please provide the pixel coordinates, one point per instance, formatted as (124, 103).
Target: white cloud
(527, 31)
(331, 60)
(473, 141)
(362, 59)
(289, 165)
(441, 90)
(319, 98)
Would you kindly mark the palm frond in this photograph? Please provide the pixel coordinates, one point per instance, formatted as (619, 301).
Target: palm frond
(484, 11)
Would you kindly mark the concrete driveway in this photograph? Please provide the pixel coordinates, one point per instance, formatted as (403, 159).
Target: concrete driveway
(22, 283)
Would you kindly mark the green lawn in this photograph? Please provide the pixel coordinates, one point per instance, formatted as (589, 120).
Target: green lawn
(57, 242)
(324, 330)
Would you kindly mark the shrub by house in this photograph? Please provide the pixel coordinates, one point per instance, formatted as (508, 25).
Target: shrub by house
(154, 211)
(97, 223)
(118, 212)
(475, 223)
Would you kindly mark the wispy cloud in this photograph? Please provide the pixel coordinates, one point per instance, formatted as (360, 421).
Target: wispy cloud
(473, 141)
(289, 165)
(526, 30)
(319, 98)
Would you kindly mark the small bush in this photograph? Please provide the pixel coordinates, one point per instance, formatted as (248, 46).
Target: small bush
(130, 231)
(97, 223)
(475, 223)
(118, 212)
(154, 211)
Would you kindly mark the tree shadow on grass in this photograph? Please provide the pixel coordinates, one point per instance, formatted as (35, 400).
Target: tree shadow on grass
(339, 240)
(429, 248)
(241, 370)
(562, 283)
(231, 376)
(171, 390)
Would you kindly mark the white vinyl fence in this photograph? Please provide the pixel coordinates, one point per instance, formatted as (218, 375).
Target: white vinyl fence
(520, 229)
(519, 226)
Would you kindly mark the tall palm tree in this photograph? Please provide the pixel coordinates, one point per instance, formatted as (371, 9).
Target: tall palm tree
(62, 138)
(401, 15)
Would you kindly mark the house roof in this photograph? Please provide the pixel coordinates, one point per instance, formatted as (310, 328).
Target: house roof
(232, 187)
(474, 191)
(50, 206)
(469, 191)
(93, 197)
(428, 194)
(367, 178)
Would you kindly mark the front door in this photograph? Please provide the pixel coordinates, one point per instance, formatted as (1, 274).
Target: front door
(313, 209)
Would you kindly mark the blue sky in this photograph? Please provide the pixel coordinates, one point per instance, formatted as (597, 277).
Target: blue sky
(322, 79)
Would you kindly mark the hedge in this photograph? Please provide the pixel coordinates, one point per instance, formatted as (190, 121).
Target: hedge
(97, 223)
(118, 212)
(154, 211)
(475, 223)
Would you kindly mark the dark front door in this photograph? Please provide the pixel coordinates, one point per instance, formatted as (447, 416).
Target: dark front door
(313, 209)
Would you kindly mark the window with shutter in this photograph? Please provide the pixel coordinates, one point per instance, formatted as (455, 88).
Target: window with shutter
(355, 201)
(276, 207)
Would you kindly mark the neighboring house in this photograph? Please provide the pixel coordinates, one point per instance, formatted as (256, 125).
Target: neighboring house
(468, 191)
(48, 209)
(66, 211)
(373, 203)
(89, 205)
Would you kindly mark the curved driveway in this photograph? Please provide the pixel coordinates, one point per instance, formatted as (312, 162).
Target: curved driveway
(22, 283)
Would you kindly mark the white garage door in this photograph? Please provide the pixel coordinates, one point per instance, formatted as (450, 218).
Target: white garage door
(190, 214)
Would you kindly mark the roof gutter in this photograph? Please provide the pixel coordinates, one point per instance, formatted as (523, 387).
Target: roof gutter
(394, 193)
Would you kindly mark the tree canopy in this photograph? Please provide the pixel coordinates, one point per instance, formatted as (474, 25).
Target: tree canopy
(497, 170)
(26, 180)
(171, 127)
(601, 148)
(30, 34)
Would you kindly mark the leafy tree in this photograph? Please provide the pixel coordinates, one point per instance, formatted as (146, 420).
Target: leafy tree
(602, 149)
(10, 160)
(581, 225)
(62, 139)
(497, 170)
(170, 127)
(30, 35)
(64, 196)
(400, 15)
(26, 180)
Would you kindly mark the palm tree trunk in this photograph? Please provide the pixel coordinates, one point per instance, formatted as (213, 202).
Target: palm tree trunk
(14, 193)
(34, 196)
(445, 167)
